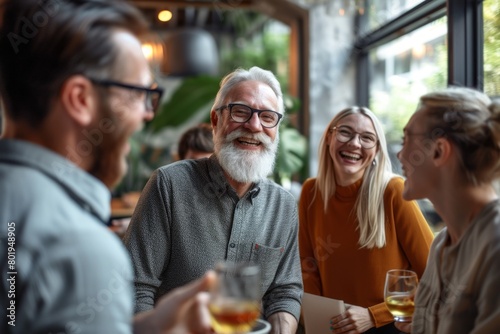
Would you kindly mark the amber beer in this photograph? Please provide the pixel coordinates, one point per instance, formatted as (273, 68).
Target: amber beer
(235, 298)
(401, 306)
(234, 316)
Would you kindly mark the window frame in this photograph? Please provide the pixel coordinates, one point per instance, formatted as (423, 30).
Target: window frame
(465, 41)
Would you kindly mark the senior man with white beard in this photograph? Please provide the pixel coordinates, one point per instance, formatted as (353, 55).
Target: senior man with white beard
(195, 213)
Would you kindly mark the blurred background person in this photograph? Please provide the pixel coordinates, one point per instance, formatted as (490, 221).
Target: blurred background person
(196, 142)
(355, 225)
(456, 134)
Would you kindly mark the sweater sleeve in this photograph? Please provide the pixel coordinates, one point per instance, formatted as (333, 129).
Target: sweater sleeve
(413, 231)
(413, 234)
(310, 272)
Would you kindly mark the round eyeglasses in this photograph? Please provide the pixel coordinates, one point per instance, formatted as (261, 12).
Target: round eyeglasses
(345, 134)
(241, 113)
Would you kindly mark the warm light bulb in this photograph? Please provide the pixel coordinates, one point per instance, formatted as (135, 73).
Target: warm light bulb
(165, 15)
(147, 50)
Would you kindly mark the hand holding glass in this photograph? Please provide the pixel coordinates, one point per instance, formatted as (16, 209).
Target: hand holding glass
(235, 298)
(399, 294)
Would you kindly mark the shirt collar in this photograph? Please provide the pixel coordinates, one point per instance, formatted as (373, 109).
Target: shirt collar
(89, 192)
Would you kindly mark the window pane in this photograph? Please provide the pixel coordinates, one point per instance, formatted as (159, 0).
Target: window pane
(400, 72)
(491, 14)
(403, 70)
(382, 11)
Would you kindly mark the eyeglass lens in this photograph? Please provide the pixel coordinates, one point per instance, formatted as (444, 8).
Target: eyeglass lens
(366, 140)
(241, 113)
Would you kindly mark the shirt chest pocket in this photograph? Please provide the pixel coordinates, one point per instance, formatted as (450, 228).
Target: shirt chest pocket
(268, 258)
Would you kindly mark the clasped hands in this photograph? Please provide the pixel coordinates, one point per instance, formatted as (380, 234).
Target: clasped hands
(354, 320)
(357, 320)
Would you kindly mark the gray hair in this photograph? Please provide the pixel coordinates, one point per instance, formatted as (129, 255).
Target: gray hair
(253, 74)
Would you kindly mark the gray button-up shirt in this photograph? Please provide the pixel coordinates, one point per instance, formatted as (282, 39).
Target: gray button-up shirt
(72, 275)
(188, 218)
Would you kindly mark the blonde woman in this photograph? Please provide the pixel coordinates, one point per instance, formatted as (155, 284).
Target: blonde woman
(355, 225)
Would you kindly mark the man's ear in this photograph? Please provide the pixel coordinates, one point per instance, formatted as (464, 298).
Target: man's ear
(78, 99)
(214, 118)
(442, 151)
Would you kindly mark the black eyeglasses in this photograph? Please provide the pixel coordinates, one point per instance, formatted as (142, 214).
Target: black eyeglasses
(345, 134)
(152, 94)
(242, 113)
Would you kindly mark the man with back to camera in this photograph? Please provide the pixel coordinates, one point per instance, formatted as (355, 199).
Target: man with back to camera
(75, 85)
(194, 213)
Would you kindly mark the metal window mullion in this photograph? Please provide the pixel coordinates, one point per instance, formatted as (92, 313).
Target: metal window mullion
(362, 83)
(416, 17)
(465, 43)
(420, 15)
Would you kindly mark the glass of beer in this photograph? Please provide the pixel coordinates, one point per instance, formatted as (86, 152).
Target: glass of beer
(235, 298)
(399, 293)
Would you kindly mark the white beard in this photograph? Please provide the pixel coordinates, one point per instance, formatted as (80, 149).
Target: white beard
(245, 165)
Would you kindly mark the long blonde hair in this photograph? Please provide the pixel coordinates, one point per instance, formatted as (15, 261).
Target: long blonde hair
(369, 205)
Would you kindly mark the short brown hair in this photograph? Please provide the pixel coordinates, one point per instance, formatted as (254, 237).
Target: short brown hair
(198, 138)
(44, 42)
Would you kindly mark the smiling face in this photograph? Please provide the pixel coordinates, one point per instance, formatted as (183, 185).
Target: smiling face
(123, 111)
(247, 150)
(415, 157)
(254, 94)
(350, 159)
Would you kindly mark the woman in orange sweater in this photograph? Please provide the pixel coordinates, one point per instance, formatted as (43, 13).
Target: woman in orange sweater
(355, 225)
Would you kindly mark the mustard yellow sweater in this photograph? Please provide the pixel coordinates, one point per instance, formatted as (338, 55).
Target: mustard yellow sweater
(334, 266)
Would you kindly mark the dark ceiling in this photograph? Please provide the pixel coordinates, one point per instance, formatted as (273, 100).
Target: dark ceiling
(243, 19)
(234, 17)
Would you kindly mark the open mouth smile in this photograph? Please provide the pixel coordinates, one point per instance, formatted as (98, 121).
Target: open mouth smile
(250, 142)
(350, 156)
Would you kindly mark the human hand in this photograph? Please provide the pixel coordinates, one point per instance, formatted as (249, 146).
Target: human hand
(354, 320)
(404, 327)
(183, 310)
(119, 226)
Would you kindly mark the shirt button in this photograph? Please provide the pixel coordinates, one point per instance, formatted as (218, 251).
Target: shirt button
(232, 245)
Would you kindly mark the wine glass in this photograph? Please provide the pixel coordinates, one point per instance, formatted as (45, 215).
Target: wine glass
(235, 298)
(399, 293)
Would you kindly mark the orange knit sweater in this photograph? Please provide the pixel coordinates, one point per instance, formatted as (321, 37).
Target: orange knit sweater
(334, 266)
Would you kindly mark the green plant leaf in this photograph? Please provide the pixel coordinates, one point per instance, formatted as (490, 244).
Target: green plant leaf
(192, 95)
(292, 151)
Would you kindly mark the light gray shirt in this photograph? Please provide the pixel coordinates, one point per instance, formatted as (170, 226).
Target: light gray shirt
(72, 275)
(188, 218)
(460, 289)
